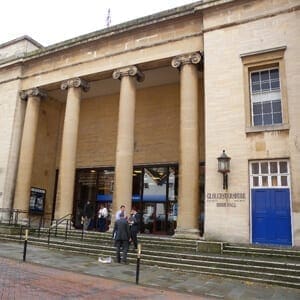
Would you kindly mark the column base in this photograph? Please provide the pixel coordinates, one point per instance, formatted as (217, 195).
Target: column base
(187, 233)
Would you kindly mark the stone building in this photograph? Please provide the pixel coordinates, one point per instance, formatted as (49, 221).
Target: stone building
(139, 113)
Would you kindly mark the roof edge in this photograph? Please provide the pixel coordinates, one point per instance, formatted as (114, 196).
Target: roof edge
(18, 39)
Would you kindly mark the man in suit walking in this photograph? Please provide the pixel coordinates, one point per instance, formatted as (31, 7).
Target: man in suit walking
(121, 234)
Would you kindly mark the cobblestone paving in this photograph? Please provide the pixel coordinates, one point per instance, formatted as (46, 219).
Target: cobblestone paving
(24, 281)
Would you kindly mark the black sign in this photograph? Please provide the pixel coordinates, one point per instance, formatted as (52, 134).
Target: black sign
(37, 200)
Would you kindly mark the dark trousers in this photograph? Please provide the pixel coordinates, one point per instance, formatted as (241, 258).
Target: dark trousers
(122, 246)
(133, 233)
(102, 224)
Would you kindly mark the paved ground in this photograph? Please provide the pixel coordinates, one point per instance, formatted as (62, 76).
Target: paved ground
(50, 274)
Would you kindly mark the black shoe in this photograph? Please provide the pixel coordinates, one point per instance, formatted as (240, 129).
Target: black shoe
(125, 262)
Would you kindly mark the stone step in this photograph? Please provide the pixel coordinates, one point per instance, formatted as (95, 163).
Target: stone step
(286, 269)
(170, 253)
(258, 251)
(99, 244)
(263, 275)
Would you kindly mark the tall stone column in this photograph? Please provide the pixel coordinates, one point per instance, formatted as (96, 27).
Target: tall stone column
(23, 185)
(69, 146)
(188, 200)
(125, 137)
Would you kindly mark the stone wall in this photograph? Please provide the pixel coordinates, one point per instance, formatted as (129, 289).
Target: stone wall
(224, 42)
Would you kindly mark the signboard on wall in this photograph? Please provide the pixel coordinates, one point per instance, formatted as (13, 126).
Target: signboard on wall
(37, 200)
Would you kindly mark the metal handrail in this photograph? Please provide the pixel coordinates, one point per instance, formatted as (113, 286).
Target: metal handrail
(14, 218)
(67, 218)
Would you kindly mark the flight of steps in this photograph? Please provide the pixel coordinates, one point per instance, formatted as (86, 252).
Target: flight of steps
(279, 266)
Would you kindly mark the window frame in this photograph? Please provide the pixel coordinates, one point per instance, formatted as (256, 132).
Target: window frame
(269, 174)
(257, 61)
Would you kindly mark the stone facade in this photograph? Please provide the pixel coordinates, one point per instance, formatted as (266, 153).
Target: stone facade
(231, 38)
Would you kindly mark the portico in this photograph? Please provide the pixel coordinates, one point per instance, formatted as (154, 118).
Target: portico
(119, 109)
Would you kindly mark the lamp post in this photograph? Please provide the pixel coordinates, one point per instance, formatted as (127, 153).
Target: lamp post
(224, 168)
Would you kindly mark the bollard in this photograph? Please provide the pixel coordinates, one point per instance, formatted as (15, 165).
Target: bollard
(138, 264)
(82, 231)
(25, 245)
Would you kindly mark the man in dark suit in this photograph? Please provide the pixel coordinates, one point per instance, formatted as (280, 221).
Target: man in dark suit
(121, 234)
(134, 222)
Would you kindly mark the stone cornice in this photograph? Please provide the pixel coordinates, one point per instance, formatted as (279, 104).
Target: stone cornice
(75, 83)
(34, 92)
(129, 71)
(190, 58)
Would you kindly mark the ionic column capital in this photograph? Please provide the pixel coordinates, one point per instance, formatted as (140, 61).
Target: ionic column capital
(34, 92)
(190, 58)
(129, 71)
(75, 83)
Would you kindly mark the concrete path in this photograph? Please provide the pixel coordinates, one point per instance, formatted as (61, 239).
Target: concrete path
(67, 273)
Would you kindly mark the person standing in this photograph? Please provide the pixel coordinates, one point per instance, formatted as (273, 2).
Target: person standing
(121, 234)
(121, 211)
(134, 222)
(102, 216)
(87, 215)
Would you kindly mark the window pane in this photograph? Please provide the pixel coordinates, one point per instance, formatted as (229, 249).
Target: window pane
(277, 118)
(276, 105)
(264, 168)
(267, 107)
(265, 86)
(257, 120)
(275, 84)
(274, 73)
(264, 180)
(284, 181)
(267, 119)
(255, 168)
(273, 167)
(255, 77)
(257, 108)
(255, 87)
(255, 181)
(283, 167)
(264, 75)
(274, 181)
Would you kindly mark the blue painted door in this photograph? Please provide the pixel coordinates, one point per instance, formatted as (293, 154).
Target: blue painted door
(271, 216)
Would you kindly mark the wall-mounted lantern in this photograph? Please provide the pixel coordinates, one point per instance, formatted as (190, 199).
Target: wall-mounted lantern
(224, 168)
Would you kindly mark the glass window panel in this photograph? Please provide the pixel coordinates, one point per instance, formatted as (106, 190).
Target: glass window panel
(264, 75)
(255, 77)
(284, 181)
(283, 167)
(265, 86)
(257, 120)
(255, 168)
(257, 108)
(264, 168)
(276, 105)
(274, 181)
(275, 85)
(255, 87)
(273, 167)
(157, 182)
(267, 107)
(172, 184)
(255, 181)
(277, 117)
(105, 184)
(268, 119)
(274, 73)
(264, 180)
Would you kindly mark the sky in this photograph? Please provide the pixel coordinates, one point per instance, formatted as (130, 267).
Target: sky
(50, 22)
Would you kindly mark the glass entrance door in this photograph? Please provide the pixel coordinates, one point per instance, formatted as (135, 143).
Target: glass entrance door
(155, 196)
